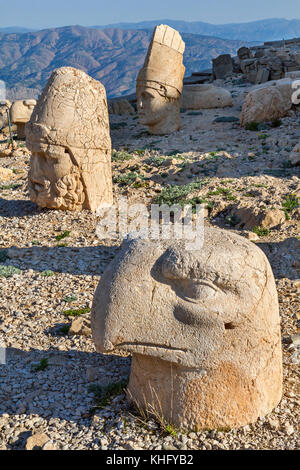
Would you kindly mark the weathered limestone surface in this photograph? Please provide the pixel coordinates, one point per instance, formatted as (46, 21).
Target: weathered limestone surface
(69, 138)
(20, 113)
(160, 82)
(268, 102)
(203, 328)
(205, 97)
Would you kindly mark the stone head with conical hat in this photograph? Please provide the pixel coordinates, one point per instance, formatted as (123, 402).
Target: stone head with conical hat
(69, 138)
(160, 82)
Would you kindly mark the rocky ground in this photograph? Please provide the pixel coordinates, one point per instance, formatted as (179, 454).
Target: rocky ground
(56, 392)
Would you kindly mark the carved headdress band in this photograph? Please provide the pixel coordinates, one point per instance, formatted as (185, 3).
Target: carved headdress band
(164, 62)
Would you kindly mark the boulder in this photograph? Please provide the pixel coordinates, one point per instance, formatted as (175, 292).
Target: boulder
(20, 114)
(267, 103)
(249, 216)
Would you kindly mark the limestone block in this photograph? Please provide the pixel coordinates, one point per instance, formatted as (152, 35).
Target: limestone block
(20, 113)
(203, 327)
(222, 66)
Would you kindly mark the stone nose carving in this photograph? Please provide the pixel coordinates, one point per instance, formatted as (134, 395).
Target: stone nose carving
(203, 328)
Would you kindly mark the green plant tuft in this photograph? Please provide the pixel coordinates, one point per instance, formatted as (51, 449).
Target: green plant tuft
(77, 312)
(104, 394)
(62, 236)
(252, 126)
(8, 271)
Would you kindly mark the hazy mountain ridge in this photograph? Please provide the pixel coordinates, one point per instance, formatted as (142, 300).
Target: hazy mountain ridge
(112, 56)
(272, 29)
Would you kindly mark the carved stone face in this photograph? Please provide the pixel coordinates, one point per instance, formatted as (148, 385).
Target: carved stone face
(152, 107)
(54, 180)
(160, 113)
(193, 314)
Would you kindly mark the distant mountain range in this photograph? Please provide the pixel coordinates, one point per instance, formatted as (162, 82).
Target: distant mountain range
(15, 30)
(112, 56)
(261, 31)
(264, 30)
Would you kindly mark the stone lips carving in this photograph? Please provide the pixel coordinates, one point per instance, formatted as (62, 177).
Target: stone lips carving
(203, 328)
(160, 82)
(69, 138)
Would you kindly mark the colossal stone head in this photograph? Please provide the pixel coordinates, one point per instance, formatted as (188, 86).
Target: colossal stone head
(20, 113)
(203, 328)
(160, 82)
(69, 138)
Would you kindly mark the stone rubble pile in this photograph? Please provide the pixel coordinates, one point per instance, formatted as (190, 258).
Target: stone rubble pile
(259, 64)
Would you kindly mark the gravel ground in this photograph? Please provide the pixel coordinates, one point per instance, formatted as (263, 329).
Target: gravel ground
(48, 385)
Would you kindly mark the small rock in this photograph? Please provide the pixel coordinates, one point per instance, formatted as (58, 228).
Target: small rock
(81, 326)
(227, 119)
(49, 446)
(36, 442)
(6, 174)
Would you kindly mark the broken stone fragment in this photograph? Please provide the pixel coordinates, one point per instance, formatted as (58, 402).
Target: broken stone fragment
(81, 326)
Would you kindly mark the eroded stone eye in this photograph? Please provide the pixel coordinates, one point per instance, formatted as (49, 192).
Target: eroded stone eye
(199, 290)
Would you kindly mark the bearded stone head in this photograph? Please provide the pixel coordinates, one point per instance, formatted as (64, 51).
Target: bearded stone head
(203, 328)
(160, 82)
(68, 135)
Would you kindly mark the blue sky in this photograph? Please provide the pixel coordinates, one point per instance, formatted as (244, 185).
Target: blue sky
(44, 13)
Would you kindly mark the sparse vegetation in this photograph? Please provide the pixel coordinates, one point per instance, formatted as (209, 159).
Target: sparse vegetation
(176, 194)
(290, 203)
(77, 312)
(276, 123)
(104, 394)
(261, 231)
(48, 273)
(121, 156)
(10, 186)
(252, 126)
(62, 236)
(70, 299)
(43, 365)
(64, 330)
(8, 271)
